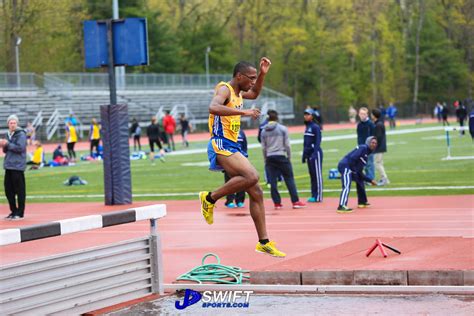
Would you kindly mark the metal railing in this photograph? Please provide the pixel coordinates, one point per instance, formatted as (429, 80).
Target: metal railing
(52, 125)
(38, 120)
(14, 81)
(100, 81)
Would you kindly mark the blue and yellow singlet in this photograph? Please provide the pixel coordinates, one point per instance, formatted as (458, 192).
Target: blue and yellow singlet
(226, 126)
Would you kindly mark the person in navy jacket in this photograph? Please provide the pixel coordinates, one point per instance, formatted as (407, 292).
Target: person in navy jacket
(471, 123)
(313, 155)
(351, 167)
(238, 197)
(366, 128)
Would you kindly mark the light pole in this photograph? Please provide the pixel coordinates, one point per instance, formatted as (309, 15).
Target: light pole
(208, 50)
(17, 61)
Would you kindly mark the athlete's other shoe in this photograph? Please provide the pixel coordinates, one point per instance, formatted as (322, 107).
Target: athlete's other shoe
(299, 204)
(363, 205)
(270, 248)
(240, 204)
(230, 205)
(312, 200)
(207, 208)
(278, 206)
(344, 209)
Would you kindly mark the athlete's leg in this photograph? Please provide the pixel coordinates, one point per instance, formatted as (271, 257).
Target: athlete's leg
(243, 175)
(272, 175)
(360, 185)
(346, 180)
(257, 210)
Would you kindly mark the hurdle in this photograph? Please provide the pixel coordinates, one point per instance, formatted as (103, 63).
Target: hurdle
(448, 142)
(88, 279)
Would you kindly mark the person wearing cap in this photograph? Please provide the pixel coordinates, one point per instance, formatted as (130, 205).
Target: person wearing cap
(351, 167)
(313, 156)
(14, 163)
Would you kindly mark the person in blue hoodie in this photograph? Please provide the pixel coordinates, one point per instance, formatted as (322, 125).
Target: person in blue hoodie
(313, 156)
(351, 167)
(366, 128)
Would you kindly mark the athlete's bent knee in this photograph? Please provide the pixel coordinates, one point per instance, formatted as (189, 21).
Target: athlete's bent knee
(252, 178)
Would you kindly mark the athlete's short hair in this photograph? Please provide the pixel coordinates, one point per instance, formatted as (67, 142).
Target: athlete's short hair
(241, 67)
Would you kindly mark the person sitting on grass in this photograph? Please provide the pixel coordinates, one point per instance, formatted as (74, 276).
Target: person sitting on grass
(37, 160)
(351, 167)
(58, 157)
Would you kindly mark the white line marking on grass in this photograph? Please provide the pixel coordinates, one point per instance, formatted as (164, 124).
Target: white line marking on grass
(325, 139)
(458, 158)
(60, 196)
(196, 164)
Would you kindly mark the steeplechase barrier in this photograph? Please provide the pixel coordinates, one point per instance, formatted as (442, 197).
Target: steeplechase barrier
(88, 279)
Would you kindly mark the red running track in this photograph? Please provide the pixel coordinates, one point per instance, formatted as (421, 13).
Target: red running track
(186, 237)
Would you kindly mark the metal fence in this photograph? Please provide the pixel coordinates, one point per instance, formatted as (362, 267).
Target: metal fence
(18, 81)
(100, 81)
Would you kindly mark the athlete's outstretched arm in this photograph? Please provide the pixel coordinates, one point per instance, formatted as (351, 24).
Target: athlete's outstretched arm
(255, 91)
(217, 106)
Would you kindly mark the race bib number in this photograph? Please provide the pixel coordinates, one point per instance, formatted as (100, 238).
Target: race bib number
(235, 126)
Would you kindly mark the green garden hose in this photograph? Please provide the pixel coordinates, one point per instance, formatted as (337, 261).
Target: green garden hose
(215, 273)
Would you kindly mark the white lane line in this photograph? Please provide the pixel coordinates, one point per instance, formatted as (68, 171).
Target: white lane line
(325, 139)
(58, 196)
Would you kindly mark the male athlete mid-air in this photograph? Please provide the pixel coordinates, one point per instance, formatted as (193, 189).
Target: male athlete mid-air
(224, 152)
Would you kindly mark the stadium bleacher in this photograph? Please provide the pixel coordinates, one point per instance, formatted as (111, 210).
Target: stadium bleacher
(83, 94)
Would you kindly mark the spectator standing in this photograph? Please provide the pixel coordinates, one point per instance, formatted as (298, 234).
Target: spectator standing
(14, 163)
(94, 136)
(71, 119)
(392, 112)
(237, 199)
(445, 114)
(438, 111)
(366, 128)
(261, 127)
(313, 155)
(351, 167)
(135, 132)
(383, 112)
(461, 114)
(71, 140)
(471, 123)
(30, 134)
(169, 125)
(381, 146)
(153, 133)
(352, 113)
(277, 155)
(317, 117)
(185, 129)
